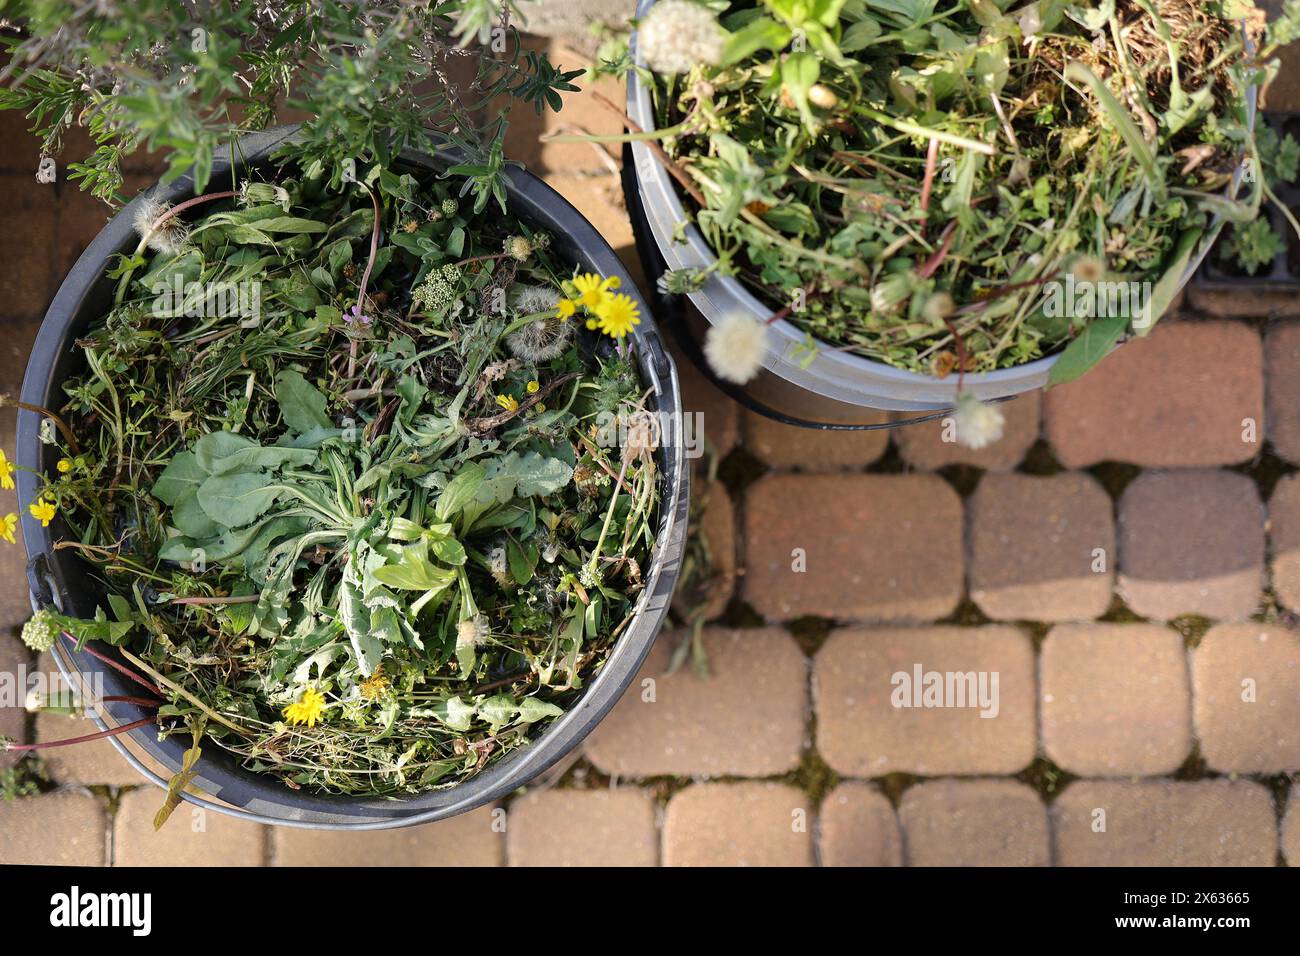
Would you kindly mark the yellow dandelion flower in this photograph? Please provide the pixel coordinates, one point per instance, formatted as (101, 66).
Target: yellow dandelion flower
(307, 709)
(64, 465)
(6, 471)
(565, 308)
(8, 525)
(619, 315)
(533, 387)
(593, 290)
(508, 402)
(43, 511)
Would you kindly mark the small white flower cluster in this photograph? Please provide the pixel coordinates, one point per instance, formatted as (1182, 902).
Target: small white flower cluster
(677, 34)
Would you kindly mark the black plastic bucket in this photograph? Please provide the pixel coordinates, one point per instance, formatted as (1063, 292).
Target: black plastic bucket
(59, 579)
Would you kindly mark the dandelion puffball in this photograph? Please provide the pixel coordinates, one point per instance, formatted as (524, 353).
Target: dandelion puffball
(167, 238)
(976, 423)
(735, 348)
(677, 34)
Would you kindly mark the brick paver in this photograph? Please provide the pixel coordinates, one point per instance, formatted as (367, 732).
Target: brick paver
(974, 823)
(922, 446)
(1191, 542)
(1291, 829)
(1041, 548)
(1282, 367)
(807, 449)
(860, 732)
(57, 829)
(858, 827)
(1284, 540)
(867, 547)
(471, 839)
(583, 828)
(1176, 398)
(717, 530)
(1164, 823)
(1246, 693)
(192, 836)
(1115, 699)
(746, 718)
(738, 824)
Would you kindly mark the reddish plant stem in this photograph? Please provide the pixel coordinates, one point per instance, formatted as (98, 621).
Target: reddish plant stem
(930, 265)
(113, 732)
(931, 161)
(192, 201)
(123, 699)
(120, 668)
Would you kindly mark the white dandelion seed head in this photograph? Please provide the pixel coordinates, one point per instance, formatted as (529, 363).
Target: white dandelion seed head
(472, 631)
(735, 347)
(977, 424)
(34, 703)
(528, 299)
(167, 238)
(677, 34)
(540, 340)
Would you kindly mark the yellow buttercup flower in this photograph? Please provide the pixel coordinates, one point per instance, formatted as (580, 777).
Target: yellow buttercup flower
(533, 387)
(619, 315)
(593, 290)
(9, 524)
(43, 511)
(6, 471)
(508, 402)
(307, 709)
(64, 465)
(565, 308)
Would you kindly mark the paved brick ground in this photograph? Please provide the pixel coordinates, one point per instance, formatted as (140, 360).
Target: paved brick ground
(1164, 823)
(796, 717)
(974, 823)
(1041, 548)
(1157, 401)
(923, 446)
(859, 828)
(863, 732)
(738, 824)
(1247, 710)
(747, 718)
(1191, 542)
(865, 547)
(1115, 699)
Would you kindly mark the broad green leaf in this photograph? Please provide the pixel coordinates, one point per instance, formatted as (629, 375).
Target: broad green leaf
(455, 713)
(302, 405)
(459, 491)
(236, 500)
(497, 710)
(214, 446)
(532, 709)
(1090, 347)
(761, 34)
(191, 520)
(522, 559)
(414, 571)
(367, 648)
(182, 475)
